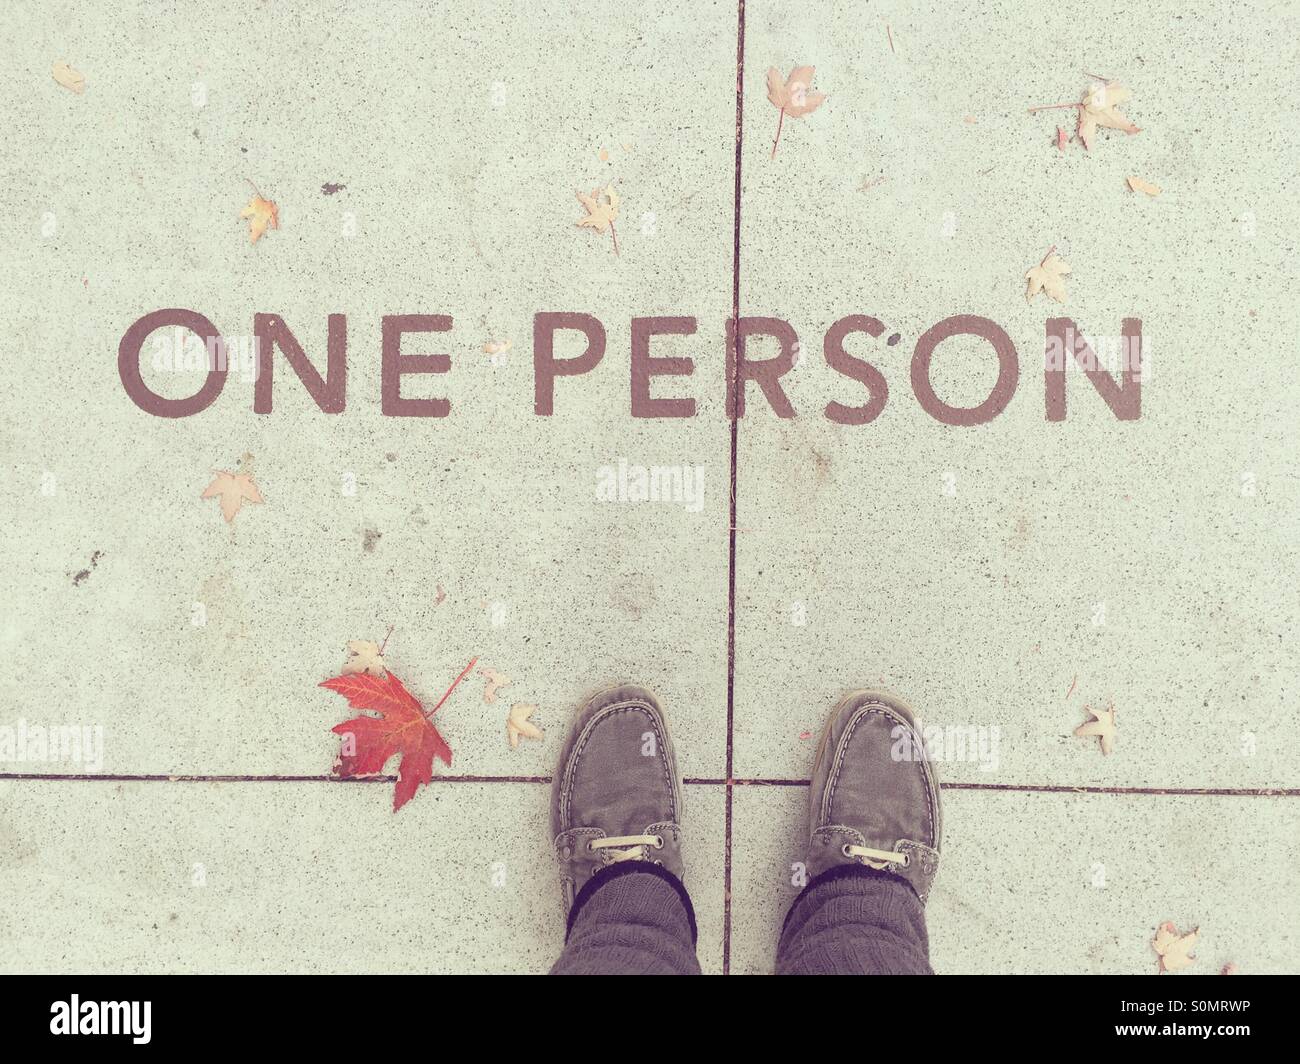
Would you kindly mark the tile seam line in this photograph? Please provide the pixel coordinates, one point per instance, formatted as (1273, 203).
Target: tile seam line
(1037, 788)
(179, 777)
(731, 513)
(690, 781)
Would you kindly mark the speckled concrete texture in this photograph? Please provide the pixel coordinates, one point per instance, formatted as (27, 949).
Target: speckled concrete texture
(964, 567)
(284, 877)
(1000, 577)
(461, 133)
(1058, 883)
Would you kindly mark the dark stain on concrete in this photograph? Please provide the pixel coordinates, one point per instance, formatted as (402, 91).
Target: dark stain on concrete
(821, 466)
(81, 577)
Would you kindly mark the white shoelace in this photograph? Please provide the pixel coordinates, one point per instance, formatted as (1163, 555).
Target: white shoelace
(627, 847)
(876, 858)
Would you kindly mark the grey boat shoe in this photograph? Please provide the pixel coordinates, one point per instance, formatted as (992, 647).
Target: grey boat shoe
(874, 794)
(617, 796)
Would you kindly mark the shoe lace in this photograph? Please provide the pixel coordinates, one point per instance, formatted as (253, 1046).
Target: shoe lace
(876, 858)
(626, 847)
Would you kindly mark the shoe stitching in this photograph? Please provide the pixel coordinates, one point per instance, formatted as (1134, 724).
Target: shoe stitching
(860, 714)
(589, 729)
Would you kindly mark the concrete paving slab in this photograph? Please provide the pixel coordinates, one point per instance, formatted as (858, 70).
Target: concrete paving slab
(425, 160)
(458, 136)
(985, 571)
(1035, 883)
(282, 877)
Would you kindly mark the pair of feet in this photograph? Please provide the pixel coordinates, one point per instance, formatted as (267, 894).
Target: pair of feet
(618, 797)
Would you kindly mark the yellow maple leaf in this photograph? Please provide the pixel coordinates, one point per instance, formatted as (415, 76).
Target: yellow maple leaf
(518, 725)
(1102, 725)
(365, 656)
(602, 210)
(1048, 276)
(1100, 107)
(233, 489)
(793, 96)
(1173, 948)
(495, 681)
(262, 215)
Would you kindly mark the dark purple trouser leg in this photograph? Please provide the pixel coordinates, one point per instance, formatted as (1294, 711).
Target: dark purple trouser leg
(633, 918)
(854, 921)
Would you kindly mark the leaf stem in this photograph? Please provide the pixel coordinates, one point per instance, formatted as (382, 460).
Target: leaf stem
(614, 235)
(385, 642)
(1053, 106)
(779, 123)
(454, 682)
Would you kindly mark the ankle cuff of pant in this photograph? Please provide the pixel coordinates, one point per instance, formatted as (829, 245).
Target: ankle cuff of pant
(627, 868)
(843, 871)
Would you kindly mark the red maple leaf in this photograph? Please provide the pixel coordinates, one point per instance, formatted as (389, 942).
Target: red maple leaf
(402, 727)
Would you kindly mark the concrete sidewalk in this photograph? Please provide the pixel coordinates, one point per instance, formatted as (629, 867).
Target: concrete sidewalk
(424, 159)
